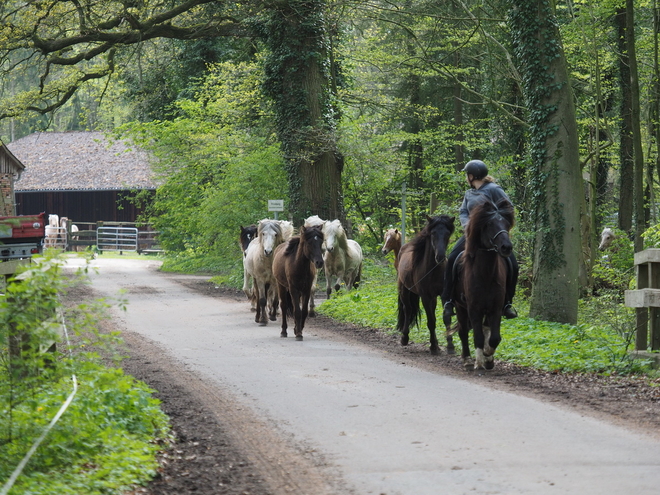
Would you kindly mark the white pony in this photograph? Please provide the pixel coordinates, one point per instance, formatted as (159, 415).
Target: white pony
(64, 223)
(258, 266)
(606, 237)
(314, 221)
(52, 231)
(342, 258)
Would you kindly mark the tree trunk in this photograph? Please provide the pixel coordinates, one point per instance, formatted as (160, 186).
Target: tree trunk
(299, 81)
(626, 141)
(556, 175)
(636, 128)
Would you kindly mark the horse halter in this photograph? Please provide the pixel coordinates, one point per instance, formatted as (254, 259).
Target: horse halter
(492, 241)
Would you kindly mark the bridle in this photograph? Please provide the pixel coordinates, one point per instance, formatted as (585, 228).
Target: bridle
(492, 241)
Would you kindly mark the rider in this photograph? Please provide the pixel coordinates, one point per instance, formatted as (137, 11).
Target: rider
(481, 185)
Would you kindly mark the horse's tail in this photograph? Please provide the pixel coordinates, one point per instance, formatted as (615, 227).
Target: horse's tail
(407, 301)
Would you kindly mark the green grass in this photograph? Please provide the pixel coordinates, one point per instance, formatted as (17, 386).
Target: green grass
(599, 343)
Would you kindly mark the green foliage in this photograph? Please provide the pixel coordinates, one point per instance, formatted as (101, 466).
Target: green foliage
(218, 162)
(102, 444)
(599, 343)
(105, 441)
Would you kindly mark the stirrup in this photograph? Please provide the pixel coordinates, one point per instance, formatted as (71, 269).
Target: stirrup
(448, 310)
(509, 312)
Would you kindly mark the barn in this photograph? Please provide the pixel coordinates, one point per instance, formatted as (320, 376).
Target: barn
(10, 170)
(80, 175)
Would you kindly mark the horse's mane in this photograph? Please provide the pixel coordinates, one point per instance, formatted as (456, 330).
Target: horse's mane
(481, 215)
(418, 243)
(340, 233)
(274, 224)
(306, 232)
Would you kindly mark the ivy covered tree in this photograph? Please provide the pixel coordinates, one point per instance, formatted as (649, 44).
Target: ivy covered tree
(556, 178)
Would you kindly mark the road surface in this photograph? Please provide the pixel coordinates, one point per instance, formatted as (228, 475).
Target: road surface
(380, 426)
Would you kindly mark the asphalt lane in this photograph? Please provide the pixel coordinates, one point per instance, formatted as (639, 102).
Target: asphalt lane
(386, 428)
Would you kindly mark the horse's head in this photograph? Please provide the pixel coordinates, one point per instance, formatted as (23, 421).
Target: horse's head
(334, 235)
(606, 238)
(440, 229)
(247, 234)
(489, 227)
(269, 233)
(391, 240)
(311, 239)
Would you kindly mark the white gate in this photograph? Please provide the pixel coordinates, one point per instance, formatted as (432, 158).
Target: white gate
(117, 238)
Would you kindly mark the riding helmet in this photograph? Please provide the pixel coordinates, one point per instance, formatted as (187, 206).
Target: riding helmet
(476, 168)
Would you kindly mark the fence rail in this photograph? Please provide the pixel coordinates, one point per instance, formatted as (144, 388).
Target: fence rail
(87, 236)
(117, 239)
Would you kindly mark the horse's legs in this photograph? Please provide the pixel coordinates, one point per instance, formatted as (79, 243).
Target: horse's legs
(478, 334)
(297, 315)
(464, 334)
(262, 318)
(430, 304)
(284, 302)
(408, 303)
(303, 314)
(493, 338)
(312, 311)
(257, 316)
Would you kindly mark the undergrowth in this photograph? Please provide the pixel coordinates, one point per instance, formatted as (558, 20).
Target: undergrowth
(106, 441)
(600, 342)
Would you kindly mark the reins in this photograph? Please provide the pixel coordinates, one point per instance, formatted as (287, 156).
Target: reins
(427, 274)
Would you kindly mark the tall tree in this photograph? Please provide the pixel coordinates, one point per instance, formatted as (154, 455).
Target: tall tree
(556, 177)
(72, 42)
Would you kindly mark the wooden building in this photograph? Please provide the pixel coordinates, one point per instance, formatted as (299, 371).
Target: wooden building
(10, 170)
(80, 175)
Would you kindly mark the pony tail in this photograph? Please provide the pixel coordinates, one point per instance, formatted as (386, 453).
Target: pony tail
(489, 178)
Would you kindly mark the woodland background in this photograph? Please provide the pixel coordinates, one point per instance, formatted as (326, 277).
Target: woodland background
(334, 105)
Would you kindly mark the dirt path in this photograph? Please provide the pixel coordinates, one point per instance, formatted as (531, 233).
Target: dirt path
(223, 447)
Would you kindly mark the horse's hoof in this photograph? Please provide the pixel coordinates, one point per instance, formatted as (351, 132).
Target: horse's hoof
(311, 313)
(283, 335)
(451, 350)
(404, 340)
(263, 323)
(490, 365)
(298, 338)
(272, 318)
(435, 352)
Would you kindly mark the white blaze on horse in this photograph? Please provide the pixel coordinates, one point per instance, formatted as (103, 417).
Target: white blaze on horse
(258, 266)
(342, 259)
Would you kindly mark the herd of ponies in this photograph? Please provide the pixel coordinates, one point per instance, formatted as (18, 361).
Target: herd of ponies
(281, 267)
(57, 231)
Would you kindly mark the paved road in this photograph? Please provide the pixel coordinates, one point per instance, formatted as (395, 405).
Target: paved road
(387, 428)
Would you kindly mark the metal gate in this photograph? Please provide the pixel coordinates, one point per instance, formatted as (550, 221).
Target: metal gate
(117, 239)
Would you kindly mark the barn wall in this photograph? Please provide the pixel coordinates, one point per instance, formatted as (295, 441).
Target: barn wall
(79, 206)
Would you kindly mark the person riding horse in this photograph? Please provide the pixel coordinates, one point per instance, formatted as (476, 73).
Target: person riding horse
(482, 186)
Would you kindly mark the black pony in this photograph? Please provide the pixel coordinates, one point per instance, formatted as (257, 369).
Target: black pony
(480, 287)
(421, 276)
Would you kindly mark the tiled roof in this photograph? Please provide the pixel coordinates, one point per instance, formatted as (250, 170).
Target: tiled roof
(59, 161)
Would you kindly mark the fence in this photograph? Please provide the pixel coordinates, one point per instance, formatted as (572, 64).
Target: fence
(88, 235)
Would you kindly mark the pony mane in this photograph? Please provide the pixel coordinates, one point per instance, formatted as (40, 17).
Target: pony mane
(313, 220)
(340, 233)
(306, 232)
(482, 214)
(275, 225)
(418, 243)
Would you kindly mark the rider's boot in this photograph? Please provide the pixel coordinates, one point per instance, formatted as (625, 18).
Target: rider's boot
(447, 313)
(509, 312)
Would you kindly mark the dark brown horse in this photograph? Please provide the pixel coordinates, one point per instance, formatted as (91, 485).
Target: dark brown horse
(294, 266)
(480, 287)
(392, 242)
(421, 276)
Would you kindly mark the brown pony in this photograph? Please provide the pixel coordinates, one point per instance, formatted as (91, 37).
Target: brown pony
(392, 242)
(421, 276)
(481, 279)
(294, 266)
